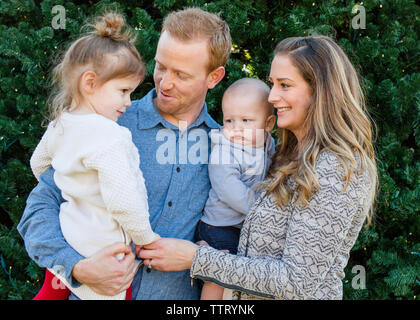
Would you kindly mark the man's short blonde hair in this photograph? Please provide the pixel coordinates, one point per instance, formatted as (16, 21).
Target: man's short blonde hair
(195, 23)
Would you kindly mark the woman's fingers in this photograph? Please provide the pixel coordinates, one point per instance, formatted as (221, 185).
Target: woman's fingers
(147, 254)
(168, 254)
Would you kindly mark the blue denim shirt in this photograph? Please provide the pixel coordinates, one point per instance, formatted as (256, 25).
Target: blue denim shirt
(174, 166)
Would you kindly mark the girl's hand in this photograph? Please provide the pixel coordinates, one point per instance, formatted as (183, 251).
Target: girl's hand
(169, 254)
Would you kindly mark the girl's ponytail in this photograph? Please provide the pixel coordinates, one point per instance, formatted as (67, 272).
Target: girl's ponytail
(113, 26)
(107, 49)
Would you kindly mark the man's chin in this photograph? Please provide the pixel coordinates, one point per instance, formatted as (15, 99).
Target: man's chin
(167, 110)
(166, 107)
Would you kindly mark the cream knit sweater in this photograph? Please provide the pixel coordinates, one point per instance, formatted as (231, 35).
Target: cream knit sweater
(97, 168)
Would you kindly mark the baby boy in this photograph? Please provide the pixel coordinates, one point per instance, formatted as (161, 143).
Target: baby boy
(240, 157)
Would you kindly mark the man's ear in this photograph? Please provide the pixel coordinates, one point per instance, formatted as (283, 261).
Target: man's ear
(88, 82)
(215, 77)
(270, 122)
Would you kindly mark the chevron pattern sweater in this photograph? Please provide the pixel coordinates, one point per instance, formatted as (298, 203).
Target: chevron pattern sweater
(294, 252)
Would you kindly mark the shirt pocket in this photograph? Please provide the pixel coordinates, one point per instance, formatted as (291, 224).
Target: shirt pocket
(200, 188)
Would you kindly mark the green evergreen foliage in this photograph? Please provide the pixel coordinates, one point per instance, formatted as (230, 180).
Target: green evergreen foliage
(386, 53)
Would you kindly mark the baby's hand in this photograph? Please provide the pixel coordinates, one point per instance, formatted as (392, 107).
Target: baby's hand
(202, 243)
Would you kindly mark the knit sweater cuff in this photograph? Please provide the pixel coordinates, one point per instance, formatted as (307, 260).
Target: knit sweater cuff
(203, 260)
(145, 237)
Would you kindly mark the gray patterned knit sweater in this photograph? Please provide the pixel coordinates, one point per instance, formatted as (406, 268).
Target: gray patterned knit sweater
(294, 252)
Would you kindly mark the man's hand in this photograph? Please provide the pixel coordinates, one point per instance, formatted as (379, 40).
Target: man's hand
(104, 273)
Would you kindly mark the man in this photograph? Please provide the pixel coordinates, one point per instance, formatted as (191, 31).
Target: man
(192, 51)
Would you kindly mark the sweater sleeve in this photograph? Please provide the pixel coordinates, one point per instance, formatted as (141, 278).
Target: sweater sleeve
(40, 159)
(123, 189)
(314, 236)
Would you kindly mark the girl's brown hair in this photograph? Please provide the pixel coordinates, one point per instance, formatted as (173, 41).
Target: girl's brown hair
(108, 50)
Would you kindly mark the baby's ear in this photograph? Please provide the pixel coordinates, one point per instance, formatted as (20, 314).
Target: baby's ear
(270, 122)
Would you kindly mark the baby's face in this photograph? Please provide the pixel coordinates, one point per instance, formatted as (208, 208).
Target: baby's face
(244, 120)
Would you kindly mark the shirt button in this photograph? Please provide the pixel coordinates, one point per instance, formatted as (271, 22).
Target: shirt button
(178, 169)
(170, 203)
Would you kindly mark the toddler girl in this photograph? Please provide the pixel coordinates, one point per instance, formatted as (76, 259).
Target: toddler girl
(97, 166)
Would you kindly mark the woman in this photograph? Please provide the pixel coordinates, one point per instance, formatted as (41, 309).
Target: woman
(296, 239)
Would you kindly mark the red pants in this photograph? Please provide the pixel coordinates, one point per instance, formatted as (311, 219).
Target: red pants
(48, 292)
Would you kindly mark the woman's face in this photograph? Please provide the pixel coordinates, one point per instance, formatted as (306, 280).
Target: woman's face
(290, 94)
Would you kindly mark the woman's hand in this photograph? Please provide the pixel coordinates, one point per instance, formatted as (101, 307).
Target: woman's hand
(139, 247)
(169, 254)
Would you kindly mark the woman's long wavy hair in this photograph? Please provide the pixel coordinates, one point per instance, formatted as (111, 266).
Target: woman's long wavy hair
(337, 120)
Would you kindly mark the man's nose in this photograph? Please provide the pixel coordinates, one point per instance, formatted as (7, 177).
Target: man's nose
(166, 82)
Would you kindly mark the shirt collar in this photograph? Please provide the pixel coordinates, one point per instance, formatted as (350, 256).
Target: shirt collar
(149, 117)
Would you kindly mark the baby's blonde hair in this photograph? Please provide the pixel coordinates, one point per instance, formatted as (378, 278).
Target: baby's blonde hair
(251, 86)
(110, 38)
